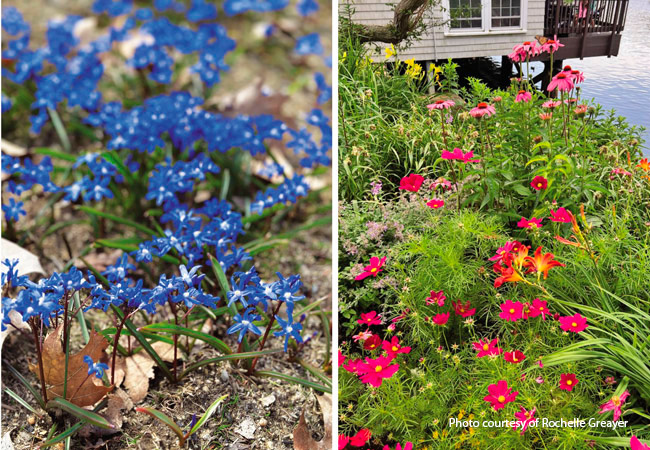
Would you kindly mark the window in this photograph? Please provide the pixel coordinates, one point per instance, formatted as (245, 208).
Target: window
(506, 13)
(465, 14)
(476, 16)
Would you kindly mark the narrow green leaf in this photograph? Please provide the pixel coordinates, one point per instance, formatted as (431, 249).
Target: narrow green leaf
(22, 401)
(113, 158)
(176, 329)
(26, 383)
(118, 219)
(55, 154)
(232, 356)
(206, 415)
(164, 418)
(302, 381)
(83, 414)
(130, 248)
(64, 435)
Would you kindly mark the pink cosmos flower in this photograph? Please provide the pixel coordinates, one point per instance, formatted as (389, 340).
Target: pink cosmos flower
(440, 319)
(523, 96)
(341, 358)
(486, 348)
(360, 439)
(614, 404)
(446, 184)
(514, 357)
(568, 381)
(524, 418)
(532, 223)
(539, 380)
(392, 348)
(636, 444)
(407, 446)
(435, 203)
(441, 104)
(539, 183)
(391, 327)
(562, 82)
(352, 365)
(460, 156)
(372, 269)
(436, 297)
(551, 104)
(538, 308)
(540, 363)
(511, 311)
(463, 309)
(362, 336)
(575, 323)
(374, 371)
(343, 441)
(551, 45)
(561, 215)
(499, 395)
(482, 109)
(502, 252)
(411, 183)
(370, 318)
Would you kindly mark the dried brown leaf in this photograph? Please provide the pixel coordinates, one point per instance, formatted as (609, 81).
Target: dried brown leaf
(139, 369)
(166, 351)
(118, 401)
(82, 390)
(302, 439)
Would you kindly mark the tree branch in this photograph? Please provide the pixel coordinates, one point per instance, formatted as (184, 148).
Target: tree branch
(408, 14)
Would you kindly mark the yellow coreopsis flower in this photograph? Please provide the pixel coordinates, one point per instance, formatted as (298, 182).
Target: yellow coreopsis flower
(390, 51)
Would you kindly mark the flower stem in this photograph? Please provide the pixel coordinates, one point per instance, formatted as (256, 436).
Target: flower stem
(116, 339)
(266, 335)
(39, 356)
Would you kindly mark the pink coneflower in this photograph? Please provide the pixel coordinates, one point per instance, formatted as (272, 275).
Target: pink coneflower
(636, 444)
(362, 336)
(463, 309)
(523, 96)
(538, 308)
(575, 323)
(436, 297)
(499, 395)
(562, 82)
(528, 48)
(561, 215)
(497, 99)
(393, 347)
(343, 441)
(551, 45)
(372, 343)
(440, 319)
(614, 404)
(580, 110)
(486, 348)
(514, 357)
(458, 154)
(370, 318)
(441, 104)
(524, 418)
(546, 116)
(511, 311)
(482, 109)
(435, 203)
(360, 439)
(551, 104)
(516, 56)
(411, 183)
(372, 269)
(539, 183)
(532, 223)
(568, 381)
(374, 371)
(578, 77)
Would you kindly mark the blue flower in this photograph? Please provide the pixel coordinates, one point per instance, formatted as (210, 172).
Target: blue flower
(6, 103)
(309, 44)
(287, 288)
(200, 10)
(96, 368)
(191, 278)
(307, 7)
(13, 22)
(244, 324)
(13, 210)
(232, 7)
(325, 90)
(290, 329)
(112, 7)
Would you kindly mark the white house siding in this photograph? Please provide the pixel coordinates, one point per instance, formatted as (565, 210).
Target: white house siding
(446, 45)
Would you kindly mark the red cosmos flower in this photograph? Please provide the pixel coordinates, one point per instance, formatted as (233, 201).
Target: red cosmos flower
(343, 441)
(511, 311)
(374, 371)
(436, 297)
(524, 418)
(561, 216)
(541, 263)
(372, 269)
(532, 223)
(360, 439)
(482, 109)
(440, 319)
(352, 365)
(523, 96)
(392, 348)
(568, 381)
(538, 308)
(411, 183)
(614, 404)
(435, 203)
(636, 444)
(463, 309)
(372, 343)
(341, 358)
(539, 183)
(458, 154)
(514, 357)
(563, 81)
(370, 318)
(500, 395)
(575, 323)
(486, 348)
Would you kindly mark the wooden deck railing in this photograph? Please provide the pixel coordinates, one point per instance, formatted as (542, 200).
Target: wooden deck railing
(573, 17)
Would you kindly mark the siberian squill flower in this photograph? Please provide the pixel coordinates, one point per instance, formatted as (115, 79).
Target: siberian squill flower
(393, 347)
(360, 439)
(97, 368)
(562, 82)
(561, 215)
(482, 109)
(436, 297)
(372, 269)
(541, 263)
(435, 203)
(458, 154)
(523, 96)
(568, 381)
(440, 319)
(463, 309)
(289, 329)
(441, 104)
(575, 323)
(539, 183)
(533, 222)
(486, 348)
(369, 318)
(511, 311)
(614, 404)
(514, 357)
(500, 395)
(411, 183)
(244, 324)
(374, 371)
(636, 444)
(524, 418)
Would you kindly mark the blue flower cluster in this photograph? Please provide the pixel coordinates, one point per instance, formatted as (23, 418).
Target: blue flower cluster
(234, 7)
(289, 191)
(302, 142)
(309, 44)
(29, 174)
(169, 179)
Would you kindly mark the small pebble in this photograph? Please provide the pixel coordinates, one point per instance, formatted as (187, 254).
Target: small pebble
(31, 420)
(263, 422)
(224, 375)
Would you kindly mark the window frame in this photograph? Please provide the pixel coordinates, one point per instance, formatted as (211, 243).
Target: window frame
(486, 21)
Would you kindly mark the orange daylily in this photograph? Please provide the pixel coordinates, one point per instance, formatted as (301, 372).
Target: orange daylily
(541, 263)
(644, 164)
(508, 274)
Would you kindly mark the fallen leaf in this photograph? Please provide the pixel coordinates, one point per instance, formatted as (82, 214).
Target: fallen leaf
(17, 321)
(11, 149)
(302, 439)
(82, 390)
(118, 401)
(27, 261)
(99, 261)
(166, 351)
(120, 371)
(139, 369)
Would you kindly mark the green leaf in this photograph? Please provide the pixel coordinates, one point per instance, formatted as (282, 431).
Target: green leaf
(56, 154)
(113, 158)
(164, 418)
(206, 415)
(26, 383)
(114, 218)
(176, 329)
(114, 243)
(22, 401)
(302, 381)
(221, 277)
(83, 414)
(64, 435)
(232, 356)
(521, 189)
